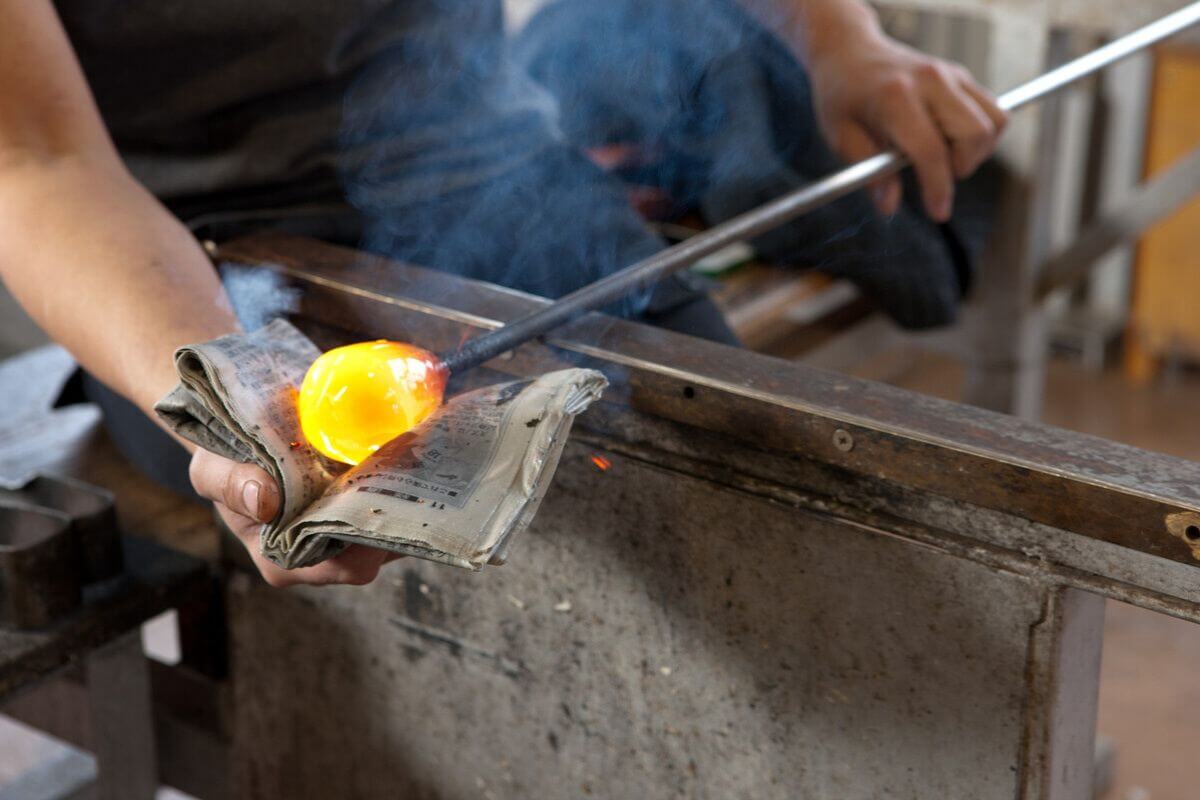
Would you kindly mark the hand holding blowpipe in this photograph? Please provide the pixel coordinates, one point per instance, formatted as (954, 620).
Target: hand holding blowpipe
(407, 383)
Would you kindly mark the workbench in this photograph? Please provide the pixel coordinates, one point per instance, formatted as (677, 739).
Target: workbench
(749, 579)
(84, 675)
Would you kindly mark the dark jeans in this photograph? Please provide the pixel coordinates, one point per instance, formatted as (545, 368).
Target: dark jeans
(722, 112)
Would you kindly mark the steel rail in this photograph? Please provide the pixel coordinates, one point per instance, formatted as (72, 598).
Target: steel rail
(645, 273)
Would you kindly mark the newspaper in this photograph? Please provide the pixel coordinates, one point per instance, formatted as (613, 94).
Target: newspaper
(455, 489)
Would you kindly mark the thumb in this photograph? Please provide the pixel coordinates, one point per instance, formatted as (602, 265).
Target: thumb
(854, 144)
(245, 489)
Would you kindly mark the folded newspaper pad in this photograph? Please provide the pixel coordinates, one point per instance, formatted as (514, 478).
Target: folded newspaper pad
(455, 489)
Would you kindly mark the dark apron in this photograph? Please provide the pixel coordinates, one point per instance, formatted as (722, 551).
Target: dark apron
(228, 108)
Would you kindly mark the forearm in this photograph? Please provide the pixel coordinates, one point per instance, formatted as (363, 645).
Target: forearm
(93, 257)
(106, 270)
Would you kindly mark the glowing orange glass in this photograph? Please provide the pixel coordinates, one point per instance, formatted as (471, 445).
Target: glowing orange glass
(357, 398)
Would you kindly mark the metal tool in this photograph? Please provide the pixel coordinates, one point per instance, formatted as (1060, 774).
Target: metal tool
(56, 536)
(644, 273)
(92, 511)
(38, 580)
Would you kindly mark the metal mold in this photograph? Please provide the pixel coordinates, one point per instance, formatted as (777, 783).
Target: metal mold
(93, 521)
(39, 582)
(56, 536)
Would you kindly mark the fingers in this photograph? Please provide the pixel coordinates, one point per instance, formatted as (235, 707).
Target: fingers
(244, 489)
(907, 120)
(945, 123)
(986, 101)
(357, 565)
(887, 95)
(245, 497)
(967, 126)
(855, 144)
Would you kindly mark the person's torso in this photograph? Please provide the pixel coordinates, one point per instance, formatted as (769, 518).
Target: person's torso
(212, 99)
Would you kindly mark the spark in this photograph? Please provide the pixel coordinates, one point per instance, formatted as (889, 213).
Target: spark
(601, 462)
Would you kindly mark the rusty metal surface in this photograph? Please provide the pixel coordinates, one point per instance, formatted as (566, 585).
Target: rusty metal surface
(785, 584)
(655, 635)
(93, 519)
(995, 539)
(157, 579)
(1082, 485)
(56, 535)
(39, 582)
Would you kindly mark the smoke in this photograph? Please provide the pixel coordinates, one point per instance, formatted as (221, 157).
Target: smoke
(468, 151)
(453, 156)
(258, 295)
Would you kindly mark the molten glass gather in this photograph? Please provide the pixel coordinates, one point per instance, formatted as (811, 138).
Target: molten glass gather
(357, 398)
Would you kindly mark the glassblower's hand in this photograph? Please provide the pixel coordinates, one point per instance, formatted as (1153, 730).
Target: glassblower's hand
(872, 93)
(246, 497)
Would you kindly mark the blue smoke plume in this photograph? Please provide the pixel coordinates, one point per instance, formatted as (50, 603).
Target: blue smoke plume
(469, 152)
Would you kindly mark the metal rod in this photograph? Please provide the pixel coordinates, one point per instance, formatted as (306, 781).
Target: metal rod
(645, 273)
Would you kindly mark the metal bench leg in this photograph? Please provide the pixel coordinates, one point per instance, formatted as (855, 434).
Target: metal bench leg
(118, 681)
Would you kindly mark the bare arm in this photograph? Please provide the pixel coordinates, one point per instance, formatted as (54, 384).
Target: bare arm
(90, 254)
(873, 93)
(106, 270)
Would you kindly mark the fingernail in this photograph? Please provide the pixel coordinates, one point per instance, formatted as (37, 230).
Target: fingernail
(944, 210)
(251, 493)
